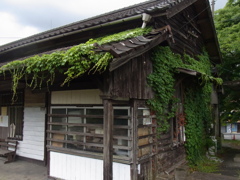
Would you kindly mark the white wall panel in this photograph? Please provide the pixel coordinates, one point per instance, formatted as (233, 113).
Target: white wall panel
(32, 156)
(34, 124)
(70, 167)
(32, 145)
(36, 134)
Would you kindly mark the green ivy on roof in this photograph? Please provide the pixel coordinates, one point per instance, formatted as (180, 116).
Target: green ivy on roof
(73, 63)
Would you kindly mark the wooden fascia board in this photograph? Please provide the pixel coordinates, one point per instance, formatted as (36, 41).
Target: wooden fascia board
(179, 7)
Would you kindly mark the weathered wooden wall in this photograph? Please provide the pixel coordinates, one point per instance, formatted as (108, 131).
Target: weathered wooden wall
(34, 99)
(186, 32)
(168, 157)
(130, 80)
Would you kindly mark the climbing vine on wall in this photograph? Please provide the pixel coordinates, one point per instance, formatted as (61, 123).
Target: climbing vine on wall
(198, 115)
(197, 98)
(162, 83)
(72, 63)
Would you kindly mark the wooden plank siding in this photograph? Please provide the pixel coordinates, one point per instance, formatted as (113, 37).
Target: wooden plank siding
(186, 32)
(130, 80)
(34, 99)
(146, 143)
(168, 155)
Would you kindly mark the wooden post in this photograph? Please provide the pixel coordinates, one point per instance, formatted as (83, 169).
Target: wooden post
(107, 138)
(134, 174)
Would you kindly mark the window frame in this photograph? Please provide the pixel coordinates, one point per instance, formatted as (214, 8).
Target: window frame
(121, 143)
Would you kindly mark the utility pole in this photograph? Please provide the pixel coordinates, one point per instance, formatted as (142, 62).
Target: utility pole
(213, 3)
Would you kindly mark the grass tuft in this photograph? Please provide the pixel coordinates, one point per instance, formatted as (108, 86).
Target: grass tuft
(206, 165)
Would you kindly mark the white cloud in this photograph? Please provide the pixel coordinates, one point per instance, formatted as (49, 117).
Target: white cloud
(87, 8)
(23, 18)
(11, 30)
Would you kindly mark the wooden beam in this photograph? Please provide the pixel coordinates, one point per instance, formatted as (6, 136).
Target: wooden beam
(107, 138)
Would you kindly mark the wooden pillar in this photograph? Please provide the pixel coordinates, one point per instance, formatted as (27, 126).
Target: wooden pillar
(134, 171)
(107, 138)
(214, 102)
(217, 121)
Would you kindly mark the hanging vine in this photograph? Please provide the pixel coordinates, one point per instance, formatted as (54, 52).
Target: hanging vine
(73, 63)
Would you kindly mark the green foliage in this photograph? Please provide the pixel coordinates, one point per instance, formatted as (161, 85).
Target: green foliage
(162, 81)
(198, 116)
(73, 63)
(227, 22)
(197, 97)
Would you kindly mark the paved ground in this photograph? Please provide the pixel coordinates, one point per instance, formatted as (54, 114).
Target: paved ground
(22, 170)
(229, 169)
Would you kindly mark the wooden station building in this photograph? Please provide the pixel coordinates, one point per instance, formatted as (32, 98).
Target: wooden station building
(99, 126)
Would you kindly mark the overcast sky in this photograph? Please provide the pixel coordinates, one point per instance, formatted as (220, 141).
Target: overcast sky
(22, 18)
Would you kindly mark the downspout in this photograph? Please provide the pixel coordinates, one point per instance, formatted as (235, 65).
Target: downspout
(146, 18)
